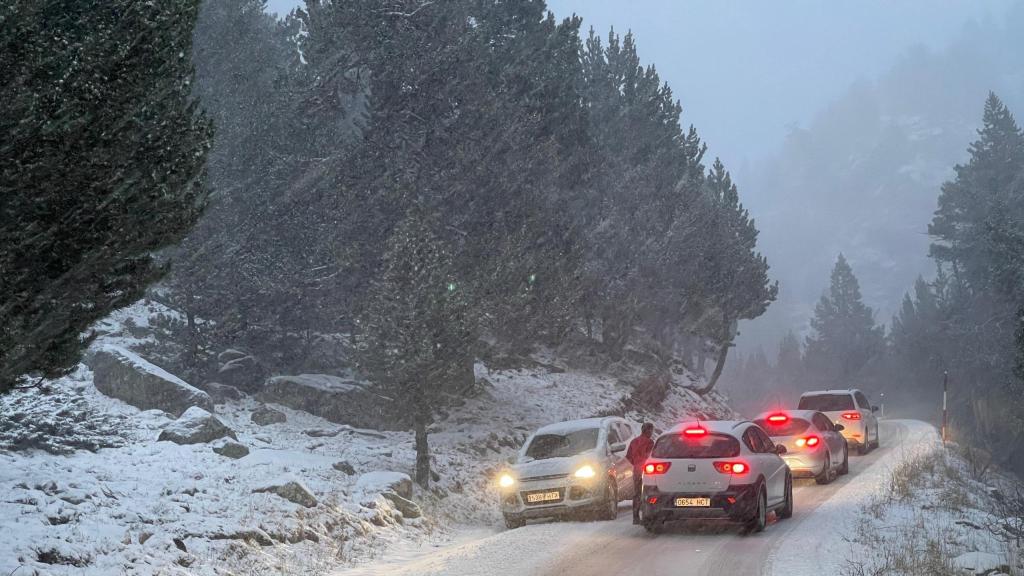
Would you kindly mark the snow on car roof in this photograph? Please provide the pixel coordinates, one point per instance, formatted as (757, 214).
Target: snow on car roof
(824, 392)
(727, 426)
(572, 426)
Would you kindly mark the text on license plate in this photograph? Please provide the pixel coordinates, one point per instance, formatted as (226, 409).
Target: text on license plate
(691, 502)
(543, 496)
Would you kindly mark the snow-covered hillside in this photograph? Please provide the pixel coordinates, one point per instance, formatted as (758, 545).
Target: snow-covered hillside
(88, 488)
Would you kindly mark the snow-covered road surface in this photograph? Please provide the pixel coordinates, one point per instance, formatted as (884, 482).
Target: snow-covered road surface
(809, 543)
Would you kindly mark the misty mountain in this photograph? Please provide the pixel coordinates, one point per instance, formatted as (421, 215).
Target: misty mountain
(863, 177)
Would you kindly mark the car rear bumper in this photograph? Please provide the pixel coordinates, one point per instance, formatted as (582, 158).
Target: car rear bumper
(805, 465)
(738, 503)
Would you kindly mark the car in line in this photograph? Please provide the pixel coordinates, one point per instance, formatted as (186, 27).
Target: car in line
(815, 446)
(716, 470)
(569, 469)
(849, 408)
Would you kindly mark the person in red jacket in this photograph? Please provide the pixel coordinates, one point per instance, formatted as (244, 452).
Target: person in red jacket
(637, 453)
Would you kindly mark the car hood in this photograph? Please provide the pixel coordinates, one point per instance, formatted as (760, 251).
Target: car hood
(552, 466)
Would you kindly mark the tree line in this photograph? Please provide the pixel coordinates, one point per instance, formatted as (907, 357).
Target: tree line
(423, 180)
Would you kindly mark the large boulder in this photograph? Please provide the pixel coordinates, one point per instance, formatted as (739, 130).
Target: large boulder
(265, 416)
(230, 449)
(123, 374)
(195, 426)
(333, 398)
(245, 373)
(221, 393)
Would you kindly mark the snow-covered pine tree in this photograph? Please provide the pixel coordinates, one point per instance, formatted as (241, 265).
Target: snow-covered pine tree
(103, 152)
(845, 336)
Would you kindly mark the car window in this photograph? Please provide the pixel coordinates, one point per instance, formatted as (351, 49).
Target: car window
(823, 423)
(625, 431)
(766, 443)
(752, 442)
(827, 402)
(711, 445)
(790, 427)
(561, 445)
(862, 400)
(613, 434)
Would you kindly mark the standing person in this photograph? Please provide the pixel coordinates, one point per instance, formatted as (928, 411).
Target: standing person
(637, 453)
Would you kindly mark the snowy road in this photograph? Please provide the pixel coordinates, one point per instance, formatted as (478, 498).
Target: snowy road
(791, 547)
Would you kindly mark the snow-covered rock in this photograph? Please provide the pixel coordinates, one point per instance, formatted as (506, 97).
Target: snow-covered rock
(221, 393)
(381, 481)
(979, 562)
(408, 508)
(265, 416)
(244, 373)
(230, 449)
(123, 374)
(333, 398)
(195, 426)
(293, 491)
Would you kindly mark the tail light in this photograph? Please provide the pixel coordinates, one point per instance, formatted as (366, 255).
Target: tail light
(734, 468)
(655, 468)
(695, 432)
(851, 415)
(652, 500)
(809, 441)
(778, 418)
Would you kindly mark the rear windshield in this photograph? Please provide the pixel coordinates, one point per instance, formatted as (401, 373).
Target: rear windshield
(827, 402)
(790, 427)
(709, 446)
(561, 445)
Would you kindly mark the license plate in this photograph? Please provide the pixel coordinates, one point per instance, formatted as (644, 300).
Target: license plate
(543, 497)
(693, 502)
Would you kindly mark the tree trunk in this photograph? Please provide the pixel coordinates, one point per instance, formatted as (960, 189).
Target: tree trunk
(723, 353)
(422, 450)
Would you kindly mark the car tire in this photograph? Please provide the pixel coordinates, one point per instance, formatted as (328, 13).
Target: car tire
(609, 507)
(787, 506)
(511, 522)
(760, 519)
(878, 440)
(862, 449)
(844, 469)
(653, 526)
(826, 475)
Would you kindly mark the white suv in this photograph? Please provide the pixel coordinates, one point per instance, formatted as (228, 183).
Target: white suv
(716, 470)
(851, 409)
(569, 468)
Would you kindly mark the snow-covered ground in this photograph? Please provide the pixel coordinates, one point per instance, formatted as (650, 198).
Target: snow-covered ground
(90, 490)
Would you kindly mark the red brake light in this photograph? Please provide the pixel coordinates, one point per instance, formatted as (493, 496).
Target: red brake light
(851, 415)
(778, 418)
(695, 431)
(652, 500)
(734, 468)
(809, 441)
(654, 468)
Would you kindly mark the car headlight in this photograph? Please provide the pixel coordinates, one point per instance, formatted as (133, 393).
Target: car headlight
(585, 472)
(506, 481)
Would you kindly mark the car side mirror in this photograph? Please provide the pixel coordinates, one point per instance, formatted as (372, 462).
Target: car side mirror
(840, 427)
(780, 449)
(874, 408)
(618, 447)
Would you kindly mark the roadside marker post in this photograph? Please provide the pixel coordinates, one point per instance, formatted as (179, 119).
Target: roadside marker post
(945, 392)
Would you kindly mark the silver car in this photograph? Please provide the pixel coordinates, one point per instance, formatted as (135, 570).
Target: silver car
(569, 468)
(815, 447)
(851, 409)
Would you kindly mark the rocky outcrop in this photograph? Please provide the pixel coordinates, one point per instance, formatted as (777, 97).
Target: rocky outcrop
(123, 374)
(333, 398)
(408, 508)
(293, 491)
(265, 416)
(195, 426)
(243, 372)
(221, 393)
(383, 481)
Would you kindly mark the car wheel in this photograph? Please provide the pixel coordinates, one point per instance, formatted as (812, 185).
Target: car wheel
(511, 522)
(878, 440)
(862, 449)
(653, 526)
(845, 467)
(609, 509)
(760, 519)
(826, 472)
(787, 507)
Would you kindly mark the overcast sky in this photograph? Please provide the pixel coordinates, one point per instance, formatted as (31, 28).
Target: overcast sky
(746, 71)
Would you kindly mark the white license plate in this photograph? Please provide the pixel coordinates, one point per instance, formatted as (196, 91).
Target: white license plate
(543, 497)
(693, 502)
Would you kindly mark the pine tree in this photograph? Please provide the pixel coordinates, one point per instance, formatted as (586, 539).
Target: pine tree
(846, 338)
(103, 152)
(789, 361)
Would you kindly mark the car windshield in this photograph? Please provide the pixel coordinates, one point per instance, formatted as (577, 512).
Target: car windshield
(561, 445)
(707, 446)
(827, 402)
(790, 427)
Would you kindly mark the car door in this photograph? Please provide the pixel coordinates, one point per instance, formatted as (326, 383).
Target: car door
(870, 420)
(626, 434)
(833, 439)
(770, 464)
(617, 463)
